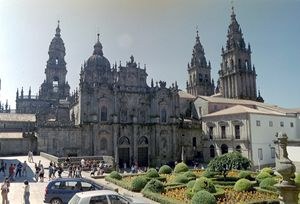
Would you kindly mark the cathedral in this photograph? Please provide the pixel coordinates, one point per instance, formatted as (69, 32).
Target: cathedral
(115, 112)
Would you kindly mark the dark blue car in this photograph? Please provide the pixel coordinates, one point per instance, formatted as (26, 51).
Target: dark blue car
(61, 190)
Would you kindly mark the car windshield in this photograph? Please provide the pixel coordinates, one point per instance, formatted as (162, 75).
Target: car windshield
(74, 200)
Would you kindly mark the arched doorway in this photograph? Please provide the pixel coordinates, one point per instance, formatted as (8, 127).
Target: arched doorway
(212, 151)
(224, 149)
(143, 151)
(123, 151)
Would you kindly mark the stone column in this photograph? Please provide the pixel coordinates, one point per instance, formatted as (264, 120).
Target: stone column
(135, 138)
(115, 142)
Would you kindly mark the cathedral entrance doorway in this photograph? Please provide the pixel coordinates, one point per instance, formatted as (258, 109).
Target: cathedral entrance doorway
(124, 152)
(224, 149)
(143, 152)
(124, 157)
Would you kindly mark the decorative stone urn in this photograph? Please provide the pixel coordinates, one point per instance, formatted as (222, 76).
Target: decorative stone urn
(285, 167)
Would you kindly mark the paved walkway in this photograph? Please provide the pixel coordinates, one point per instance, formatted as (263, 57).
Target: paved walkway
(37, 189)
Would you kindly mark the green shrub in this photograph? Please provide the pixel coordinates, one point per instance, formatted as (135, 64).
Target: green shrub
(203, 197)
(262, 175)
(190, 184)
(268, 184)
(181, 167)
(165, 169)
(267, 170)
(245, 174)
(208, 174)
(152, 173)
(115, 175)
(297, 178)
(138, 183)
(154, 186)
(181, 179)
(204, 183)
(190, 174)
(243, 185)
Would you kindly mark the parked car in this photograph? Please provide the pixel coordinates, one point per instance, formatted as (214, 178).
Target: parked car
(104, 197)
(61, 190)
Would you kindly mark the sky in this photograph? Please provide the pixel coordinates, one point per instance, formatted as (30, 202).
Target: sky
(160, 34)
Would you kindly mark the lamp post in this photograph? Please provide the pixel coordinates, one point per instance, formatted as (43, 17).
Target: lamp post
(182, 150)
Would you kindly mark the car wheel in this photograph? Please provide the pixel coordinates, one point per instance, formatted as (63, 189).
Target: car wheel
(56, 201)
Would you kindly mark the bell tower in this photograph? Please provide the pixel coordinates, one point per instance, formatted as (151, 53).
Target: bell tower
(199, 70)
(55, 86)
(237, 75)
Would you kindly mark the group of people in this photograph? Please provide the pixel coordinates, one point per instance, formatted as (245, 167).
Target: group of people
(5, 190)
(14, 169)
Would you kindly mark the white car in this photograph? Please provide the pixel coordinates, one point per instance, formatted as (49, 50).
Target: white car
(103, 197)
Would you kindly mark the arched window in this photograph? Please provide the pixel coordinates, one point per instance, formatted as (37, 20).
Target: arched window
(55, 84)
(238, 149)
(163, 115)
(200, 77)
(247, 64)
(194, 141)
(56, 61)
(143, 141)
(231, 63)
(224, 149)
(124, 141)
(103, 144)
(240, 65)
(103, 113)
(212, 151)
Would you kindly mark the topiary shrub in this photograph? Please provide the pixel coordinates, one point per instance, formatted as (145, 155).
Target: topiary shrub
(154, 186)
(152, 173)
(297, 179)
(138, 183)
(243, 185)
(181, 179)
(190, 174)
(245, 174)
(190, 184)
(262, 175)
(268, 183)
(208, 174)
(115, 175)
(203, 197)
(165, 169)
(268, 170)
(204, 183)
(181, 167)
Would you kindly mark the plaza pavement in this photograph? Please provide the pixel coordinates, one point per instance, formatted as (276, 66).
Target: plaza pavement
(37, 189)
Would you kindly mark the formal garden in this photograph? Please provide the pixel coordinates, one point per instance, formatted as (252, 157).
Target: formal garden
(226, 180)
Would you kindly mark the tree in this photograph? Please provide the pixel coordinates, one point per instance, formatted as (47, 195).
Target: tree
(226, 162)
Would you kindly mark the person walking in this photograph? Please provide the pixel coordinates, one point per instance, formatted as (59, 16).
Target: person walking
(11, 172)
(37, 172)
(41, 173)
(24, 170)
(26, 193)
(2, 167)
(19, 169)
(4, 191)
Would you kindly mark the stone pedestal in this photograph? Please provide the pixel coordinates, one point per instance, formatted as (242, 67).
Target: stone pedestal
(288, 193)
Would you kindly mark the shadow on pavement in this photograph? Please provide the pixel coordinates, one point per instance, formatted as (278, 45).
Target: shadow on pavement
(29, 176)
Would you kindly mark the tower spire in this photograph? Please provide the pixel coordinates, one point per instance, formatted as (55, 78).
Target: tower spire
(58, 29)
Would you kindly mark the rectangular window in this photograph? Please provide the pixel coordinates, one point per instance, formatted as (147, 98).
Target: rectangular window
(281, 124)
(211, 132)
(223, 132)
(270, 123)
(292, 124)
(258, 123)
(237, 132)
(260, 154)
(272, 152)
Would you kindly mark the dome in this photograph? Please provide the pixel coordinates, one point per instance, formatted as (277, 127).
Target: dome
(97, 59)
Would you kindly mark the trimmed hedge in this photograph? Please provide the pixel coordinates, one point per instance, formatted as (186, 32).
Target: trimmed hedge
(152, 173)
(267, 170)
(190, 174)
(245, 175)
(190, 184)
(138, 183)
(181, 167)
(204, 197)
(181, 179)
(154, 186)
(115, 175)
(297, 178)
(160, 198)
(268, 183)
(262, 175)
(165, 169)
(204, 183)
(209, 174)
(243, 185)
(121, 183)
